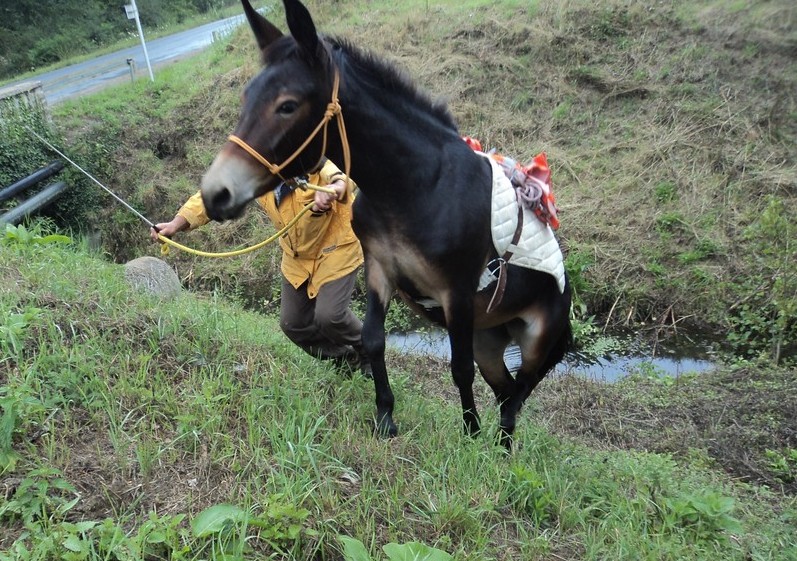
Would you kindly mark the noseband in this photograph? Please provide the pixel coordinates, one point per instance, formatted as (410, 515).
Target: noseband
(333, 110)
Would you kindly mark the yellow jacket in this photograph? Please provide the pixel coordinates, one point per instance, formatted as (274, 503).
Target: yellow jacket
(319, 248)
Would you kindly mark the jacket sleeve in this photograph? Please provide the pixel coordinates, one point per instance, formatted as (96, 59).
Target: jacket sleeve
(330, 173)
(194, 211)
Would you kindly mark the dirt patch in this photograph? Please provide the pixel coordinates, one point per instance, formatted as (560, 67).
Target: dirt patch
(732, 417)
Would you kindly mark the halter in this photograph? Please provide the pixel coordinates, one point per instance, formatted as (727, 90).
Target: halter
(333, 110)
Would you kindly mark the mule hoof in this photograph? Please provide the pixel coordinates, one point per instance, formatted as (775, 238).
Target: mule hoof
(504, 438)
(386, 428)
(472, 423)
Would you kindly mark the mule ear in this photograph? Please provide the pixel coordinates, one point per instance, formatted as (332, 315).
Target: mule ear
(265, 32)
(302, 27)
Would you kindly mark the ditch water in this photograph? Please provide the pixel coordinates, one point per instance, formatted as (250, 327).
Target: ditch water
(628, 355)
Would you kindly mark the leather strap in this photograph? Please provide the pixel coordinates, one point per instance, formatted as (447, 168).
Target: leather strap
(498, 294)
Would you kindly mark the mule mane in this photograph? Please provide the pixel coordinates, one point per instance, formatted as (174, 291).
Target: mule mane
(386, 75)
(370, 68)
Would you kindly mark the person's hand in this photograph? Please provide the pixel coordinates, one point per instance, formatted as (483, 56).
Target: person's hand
(168, 229)
(323, 201)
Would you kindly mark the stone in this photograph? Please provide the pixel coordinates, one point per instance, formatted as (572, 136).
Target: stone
(153, 275)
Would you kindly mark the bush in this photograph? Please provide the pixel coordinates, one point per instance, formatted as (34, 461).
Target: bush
(21, 153)
(762, 320)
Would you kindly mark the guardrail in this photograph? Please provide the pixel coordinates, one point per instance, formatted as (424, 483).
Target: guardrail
(37, 201)
(39, 175)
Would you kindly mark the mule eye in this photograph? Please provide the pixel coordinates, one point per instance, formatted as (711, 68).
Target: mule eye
(287, 108)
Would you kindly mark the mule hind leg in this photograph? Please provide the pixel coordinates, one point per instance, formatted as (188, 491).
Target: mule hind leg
(543, 340)
(488, 348)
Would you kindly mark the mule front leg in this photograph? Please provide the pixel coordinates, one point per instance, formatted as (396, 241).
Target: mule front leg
(373, 338)
(459, 320)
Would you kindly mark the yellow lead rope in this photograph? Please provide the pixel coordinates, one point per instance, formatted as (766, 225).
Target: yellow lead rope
(168, 242)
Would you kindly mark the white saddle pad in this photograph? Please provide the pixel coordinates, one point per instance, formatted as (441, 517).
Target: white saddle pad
(537, 248)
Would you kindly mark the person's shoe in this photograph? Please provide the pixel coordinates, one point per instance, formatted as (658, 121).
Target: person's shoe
(365, 367)
(351, 361)
(347, 363)
(364, 363)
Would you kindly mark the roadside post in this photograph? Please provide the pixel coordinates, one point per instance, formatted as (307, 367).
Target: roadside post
(132, 13)
(131, 62)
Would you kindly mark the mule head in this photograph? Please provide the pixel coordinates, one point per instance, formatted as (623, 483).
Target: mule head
(281, 107)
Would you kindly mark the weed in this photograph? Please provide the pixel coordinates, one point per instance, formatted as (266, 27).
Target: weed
(19, 235)
(652, 373)
(18, 156)
(577, 264)
(160, 537)
(354, 550)
(704, 250)
(666, 191)
(655, 268)
(669, 222)
(282, 524)
(13, 328)
(62, 540)
(8, 422)
(225, 526)
(43, 495)
(703, 516)
(601, 345)
(763, 318)
(562, 110)
(783, 464)
(528, 493)
(20, 408)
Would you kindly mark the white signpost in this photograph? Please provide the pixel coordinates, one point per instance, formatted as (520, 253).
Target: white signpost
(132, 13)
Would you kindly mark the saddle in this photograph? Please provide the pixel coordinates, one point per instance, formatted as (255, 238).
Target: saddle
(522, 233)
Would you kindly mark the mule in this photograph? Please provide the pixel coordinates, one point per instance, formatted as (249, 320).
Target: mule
(422, 214)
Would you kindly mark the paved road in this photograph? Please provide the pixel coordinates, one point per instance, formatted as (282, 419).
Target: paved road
(91, 75)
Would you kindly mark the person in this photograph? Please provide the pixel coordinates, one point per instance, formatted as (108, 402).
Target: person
(321, 257)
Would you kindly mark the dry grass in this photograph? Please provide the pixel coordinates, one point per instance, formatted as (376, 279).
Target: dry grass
(629, 101)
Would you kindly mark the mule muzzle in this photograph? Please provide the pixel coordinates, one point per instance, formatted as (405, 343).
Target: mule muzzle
(220, 204)
(230, 183)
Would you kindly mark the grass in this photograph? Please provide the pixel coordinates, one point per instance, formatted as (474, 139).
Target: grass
(125, 416)
(134, 428)
(623, 100)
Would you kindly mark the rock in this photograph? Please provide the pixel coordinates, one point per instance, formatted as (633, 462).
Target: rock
(152, 275)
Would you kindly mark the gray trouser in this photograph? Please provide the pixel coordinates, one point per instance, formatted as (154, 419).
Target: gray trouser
(323, 326)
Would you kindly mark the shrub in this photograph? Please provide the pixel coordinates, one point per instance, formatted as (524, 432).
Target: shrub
(21, 153)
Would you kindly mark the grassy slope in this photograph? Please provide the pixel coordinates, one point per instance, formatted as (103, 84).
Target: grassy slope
(664, 152)
(170, 407)
(670, 129)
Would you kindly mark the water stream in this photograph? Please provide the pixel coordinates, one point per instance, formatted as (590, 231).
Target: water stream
(673, 358)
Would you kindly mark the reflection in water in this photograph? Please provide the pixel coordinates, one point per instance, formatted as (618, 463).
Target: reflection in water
(667, 362)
